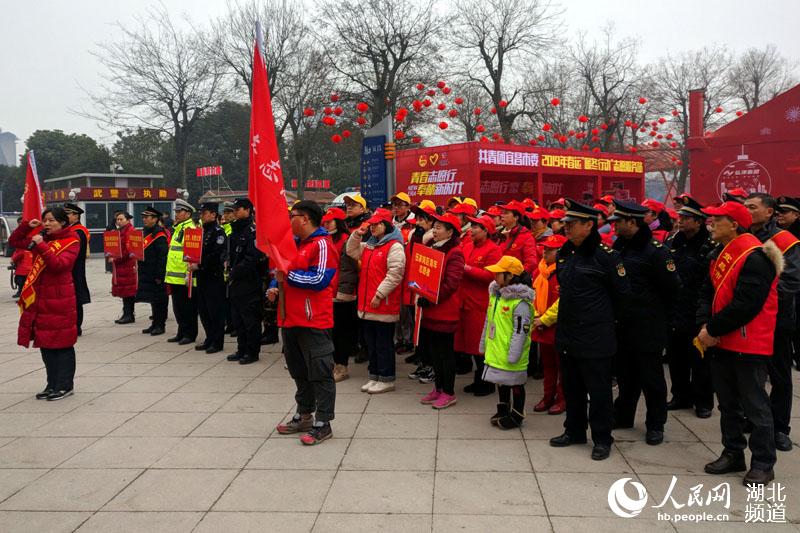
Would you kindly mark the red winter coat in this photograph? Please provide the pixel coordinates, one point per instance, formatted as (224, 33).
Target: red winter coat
(22, 259)
(444, 316)
(124, 282)
(519, 243)
(475, 293)
(50, 320)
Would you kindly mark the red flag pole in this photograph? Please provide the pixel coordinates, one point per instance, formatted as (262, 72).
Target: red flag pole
(32, 205)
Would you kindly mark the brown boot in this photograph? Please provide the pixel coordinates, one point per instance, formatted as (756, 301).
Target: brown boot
(340, 373)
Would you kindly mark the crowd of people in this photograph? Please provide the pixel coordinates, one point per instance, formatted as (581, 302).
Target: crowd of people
(591, 296)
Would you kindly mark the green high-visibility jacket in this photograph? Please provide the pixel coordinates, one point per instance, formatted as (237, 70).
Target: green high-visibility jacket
(176, 266)
(501, 326)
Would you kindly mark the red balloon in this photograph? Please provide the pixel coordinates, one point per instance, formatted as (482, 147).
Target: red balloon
(441, 107)
(361, 121)
(308, 112)
(595, 138)
(336, 138)
(420, 86)
(540, 137)
(484, 139)
(653, 134)
(654, 143)
(595, 131)
(642, 130)
(628, 123)
(459, 100)
(739, 113)
(346, 134)
(453, 113)
(533, 142)
(674, 112)
(495, 136)
(571, 133)
(669, 136)
(477, 111)
(717, 110)
(563, 139)
(362, 107)
(446, 90)
(659, 136)
(426, 103)
(661, 120)
(338, 111)
(416, 139)
(328, 110)
(596, 149)
(634, 126)
(603, 126)
(673, 144)
(399, 134)
(633, 149)
(585, 147)
(546, 127)
(642, 100)
(441, 84)
(443, 125)
(493, 110)
(431, 92)
(555, 101)
(502, 103)
(334, 97)
(329, 121)
(583, 119)
(480, 128)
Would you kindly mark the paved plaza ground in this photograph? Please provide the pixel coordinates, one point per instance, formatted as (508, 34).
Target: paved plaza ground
(159, 437)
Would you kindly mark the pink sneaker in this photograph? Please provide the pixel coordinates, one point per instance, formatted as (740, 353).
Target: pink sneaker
(431, 397)
(444, 401)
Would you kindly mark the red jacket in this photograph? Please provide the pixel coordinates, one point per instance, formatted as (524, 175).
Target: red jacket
(338, 244)
(474, 293)
(309, 284)
(49, 315)
(445, 316)
(124, 282)
(519, 243)
(22, 259)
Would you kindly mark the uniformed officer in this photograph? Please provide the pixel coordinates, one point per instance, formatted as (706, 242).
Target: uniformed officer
(227, 218)
(211, 280)
(689, 373)
(82, 295)
(246, 265)
(151, 287)
(593, 290)
(183, 307)
(642, 333)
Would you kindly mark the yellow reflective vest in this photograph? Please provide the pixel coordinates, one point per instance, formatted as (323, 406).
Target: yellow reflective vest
(176, 266)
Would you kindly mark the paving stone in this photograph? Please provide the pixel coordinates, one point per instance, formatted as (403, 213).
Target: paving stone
(172, 490)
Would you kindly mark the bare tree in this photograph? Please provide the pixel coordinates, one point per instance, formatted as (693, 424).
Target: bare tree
(500, 36)
(158, 76)
(760, 75)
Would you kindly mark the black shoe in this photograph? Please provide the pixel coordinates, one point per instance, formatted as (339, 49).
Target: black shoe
(412, 358)
(148, 330)
(58, 394)
(674, 405)
(158, 330)
(783, 442)
(247, 360)
(654, 437)
(269, 339)
(703, 412)
(565, 439)
(184, 341)
(754, 476)
(502, 410)
(129, 319)
(174, 339)
(44, 394)
(234, 357)
(213, 349)
(727, 462)
(202, 346)
(512, 420)
(601, 451)
(469, 389)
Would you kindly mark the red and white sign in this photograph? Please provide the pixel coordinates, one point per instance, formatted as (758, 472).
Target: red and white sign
(746, 174)
(314, 184)
(209, 171)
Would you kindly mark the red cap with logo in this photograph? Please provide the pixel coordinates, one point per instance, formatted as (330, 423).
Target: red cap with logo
(653, 205)
(557, 214)
(380, 215)
(494, 211)
(734, 210)
(333, 213)
(463, 209)
(539, 213)
(516, 206)
(449, 218)
(554, 241)
(485, 221)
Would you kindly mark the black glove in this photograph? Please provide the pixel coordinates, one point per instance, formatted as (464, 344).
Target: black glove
(422, 302)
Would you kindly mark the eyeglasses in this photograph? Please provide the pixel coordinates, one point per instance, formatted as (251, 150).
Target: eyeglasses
(297, 215)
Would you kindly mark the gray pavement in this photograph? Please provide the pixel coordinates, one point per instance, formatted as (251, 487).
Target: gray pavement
(159, 437)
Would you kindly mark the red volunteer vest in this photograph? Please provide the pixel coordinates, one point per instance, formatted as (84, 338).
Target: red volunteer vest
(756, 337)
(784, 240)
(373, 270)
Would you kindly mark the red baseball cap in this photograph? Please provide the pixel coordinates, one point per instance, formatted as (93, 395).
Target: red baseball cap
(380, 215)
(514, 205)
(557, 214)
(607, 199)
(554, 241)
(333, 213)
(560, 201)
(464, 209)
(732, 209)
(540, 213)
(672, 214)
(449, 218)
(602, 208)
(653, 205)
(485, 221)
(494, 211)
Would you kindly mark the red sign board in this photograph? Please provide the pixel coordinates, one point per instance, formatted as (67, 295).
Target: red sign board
(193, 245)
(114, 193)
(209, 171)
(314, 184)
(112, 244)
(136, 244)
(425, 272)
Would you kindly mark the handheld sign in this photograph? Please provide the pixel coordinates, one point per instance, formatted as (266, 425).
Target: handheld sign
(112, 244)
(425, 273)
(193, 245)
(136, 244)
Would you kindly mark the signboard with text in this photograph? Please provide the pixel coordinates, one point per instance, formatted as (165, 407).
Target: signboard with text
(425, 272)
(209, 171)
(193, 245)
(112, 244)
(135, 244)
(373, 170)
(113, 193)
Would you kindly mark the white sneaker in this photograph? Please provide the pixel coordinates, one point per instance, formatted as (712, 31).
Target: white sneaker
(366, 386)
(381, 386)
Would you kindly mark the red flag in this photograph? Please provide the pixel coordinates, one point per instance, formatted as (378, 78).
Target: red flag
(266, 191)
(32, 206)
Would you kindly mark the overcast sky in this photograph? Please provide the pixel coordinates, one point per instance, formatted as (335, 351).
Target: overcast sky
(45, 45)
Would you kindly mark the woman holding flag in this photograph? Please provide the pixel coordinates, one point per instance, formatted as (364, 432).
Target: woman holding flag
(49, 315)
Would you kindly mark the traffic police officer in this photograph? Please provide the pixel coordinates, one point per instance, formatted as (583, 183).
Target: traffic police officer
(184, 308)
(689, 373)
(593, 290)
(246, 265)
(227, 218)
(642, 333)
(211, 280)
(82, 295)
(151, 271)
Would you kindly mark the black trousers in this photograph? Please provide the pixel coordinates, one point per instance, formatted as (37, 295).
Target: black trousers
(689, 373)
(59, 363)
(19, 281)
(439, 347)
(637, 373)
(309, 356)
(246, 315)
(592, 377)
(158, 308)
(739, 384)
(779, 368)
(128, 306)
(210, 296)
(185, 311)
(345, 325)
(79, 310)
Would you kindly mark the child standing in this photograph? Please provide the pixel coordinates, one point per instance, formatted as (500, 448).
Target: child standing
(506, 338)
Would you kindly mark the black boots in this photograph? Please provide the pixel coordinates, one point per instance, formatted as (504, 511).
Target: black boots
(728, 462)
(502, 411)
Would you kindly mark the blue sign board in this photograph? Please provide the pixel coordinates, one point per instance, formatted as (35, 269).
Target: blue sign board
(373, 170)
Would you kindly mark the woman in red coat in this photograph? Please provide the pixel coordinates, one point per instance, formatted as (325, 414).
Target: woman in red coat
(479, 251)
(49, 313)
(123, 279)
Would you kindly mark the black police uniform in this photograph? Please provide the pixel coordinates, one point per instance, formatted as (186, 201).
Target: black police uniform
(245, 290)
(689, 373)
(211, 286)
(642, 334)
(593, 288)
(152, 288)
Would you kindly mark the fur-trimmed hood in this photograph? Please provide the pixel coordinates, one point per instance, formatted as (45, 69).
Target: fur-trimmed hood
(774, 254)
(517, 290)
